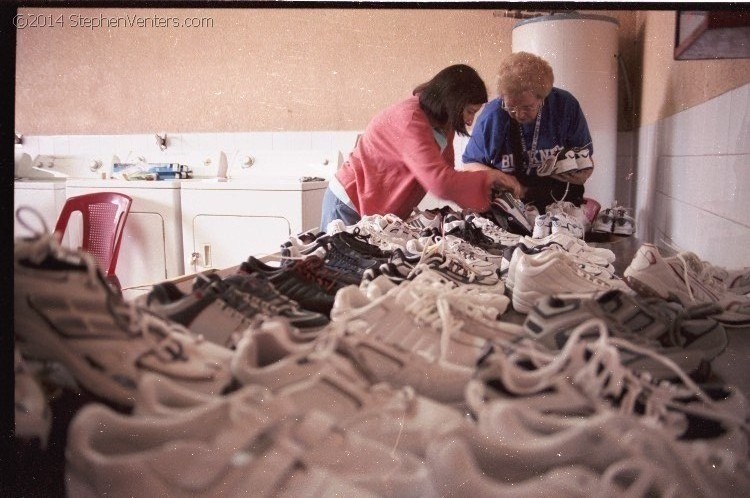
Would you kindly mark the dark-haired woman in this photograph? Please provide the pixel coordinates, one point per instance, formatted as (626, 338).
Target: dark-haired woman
(407, 150)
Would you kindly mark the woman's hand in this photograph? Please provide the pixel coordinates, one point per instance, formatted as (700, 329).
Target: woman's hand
(504, 181)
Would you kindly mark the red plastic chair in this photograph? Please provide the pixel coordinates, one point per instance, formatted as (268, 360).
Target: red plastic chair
(104, 215)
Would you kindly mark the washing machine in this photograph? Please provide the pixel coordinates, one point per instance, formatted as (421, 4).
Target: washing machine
(39, 183)
(266, 197)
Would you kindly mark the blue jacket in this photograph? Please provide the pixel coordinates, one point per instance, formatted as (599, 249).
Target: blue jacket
(563, 125)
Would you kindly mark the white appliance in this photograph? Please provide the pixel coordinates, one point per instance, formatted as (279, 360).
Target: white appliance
(151, 248)
(582, 50)
(40, 185)
(267, 197)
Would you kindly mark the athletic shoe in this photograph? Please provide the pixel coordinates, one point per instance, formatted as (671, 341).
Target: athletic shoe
(562, 222)
(261, 294)
(688, 340)
(542, 226)
(525, 442)
(398, 268)
(231, 448)
(350, 378)
(586, 260)
(481, 261)
(463, 468)
(604, 222)
(555, 272)
(33, 418)
(306, 281)
(577, 247)
(481, 235)
(388, 231)
(217, 312)
(682, 279)
(412, 339)
(566, 160)
(624, 223)
(508, 213)
(497, 235)
(429, 218)
(430, 315)
(458, 270)
(734, 280)
(587, 376)
(570, 210)
(64, 311)
(301, 245)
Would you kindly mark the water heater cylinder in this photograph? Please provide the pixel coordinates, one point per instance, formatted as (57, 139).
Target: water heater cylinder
(582, 50)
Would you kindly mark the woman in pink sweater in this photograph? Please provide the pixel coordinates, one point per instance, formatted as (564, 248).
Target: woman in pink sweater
(407, 150)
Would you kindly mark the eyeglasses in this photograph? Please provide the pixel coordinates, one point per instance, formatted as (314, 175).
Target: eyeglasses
(523, 108)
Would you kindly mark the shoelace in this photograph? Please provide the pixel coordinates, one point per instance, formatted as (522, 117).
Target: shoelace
(333, 350)
(158, 332)
(595, 367)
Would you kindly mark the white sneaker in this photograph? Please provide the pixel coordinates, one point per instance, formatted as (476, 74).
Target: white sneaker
(231, 449)
(350, 379)
(604, 222)
(563, 222)
(388, 231)
(65, 312)
(409, 322)
(533, 440)
(33, 418)
(735, 280)
(466, 468)
(540, 254)
(480, 260)
(542, 226)
(490, 229)
(458, 269)
(555, 272)
(588, 376)
(577, 247)
(682, 279)
(566, 160)
(624, 223)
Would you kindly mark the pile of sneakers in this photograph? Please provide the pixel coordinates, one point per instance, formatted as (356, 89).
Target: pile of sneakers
(350, 367)
(617, 219)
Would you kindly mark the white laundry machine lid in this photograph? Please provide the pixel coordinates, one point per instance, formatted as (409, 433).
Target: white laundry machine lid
(123, 184)
(38, 184)
(266, 183)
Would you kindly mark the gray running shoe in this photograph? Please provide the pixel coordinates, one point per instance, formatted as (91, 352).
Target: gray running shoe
(683, 279)
(64, 311)
(687, 337)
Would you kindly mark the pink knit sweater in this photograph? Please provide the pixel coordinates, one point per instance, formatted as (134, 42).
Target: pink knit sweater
(397, 160)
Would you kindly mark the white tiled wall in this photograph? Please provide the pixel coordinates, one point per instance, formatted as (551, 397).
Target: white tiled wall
(128, 145)
(692, 188)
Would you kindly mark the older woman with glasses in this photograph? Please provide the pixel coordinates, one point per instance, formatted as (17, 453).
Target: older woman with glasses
(407, 150)
(528, 129)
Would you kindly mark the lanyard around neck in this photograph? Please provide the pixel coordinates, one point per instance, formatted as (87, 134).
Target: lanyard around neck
(534, 141)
